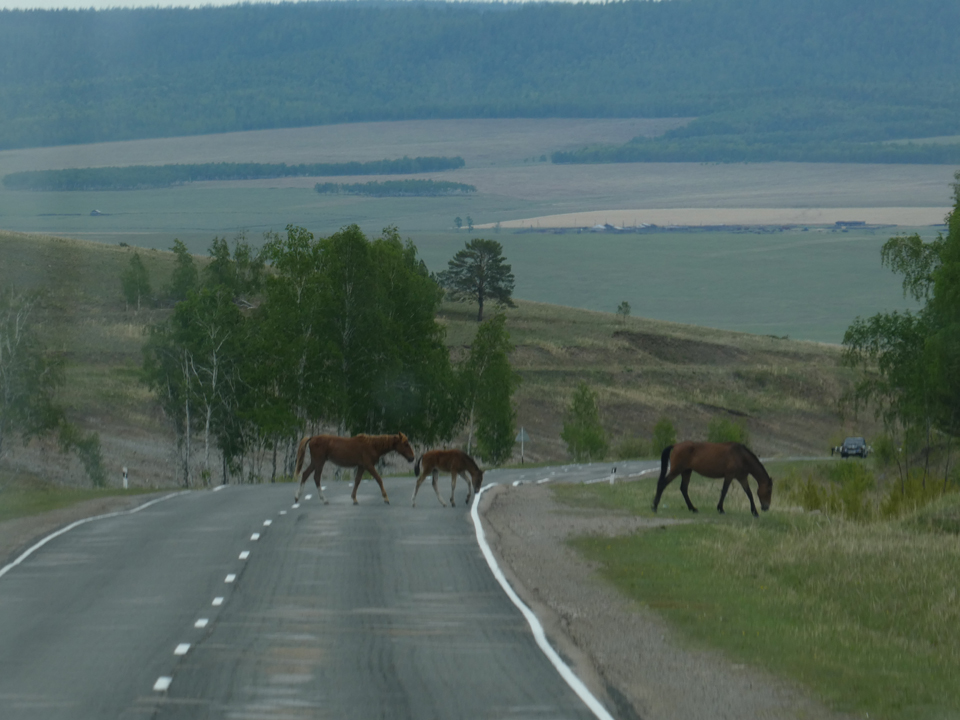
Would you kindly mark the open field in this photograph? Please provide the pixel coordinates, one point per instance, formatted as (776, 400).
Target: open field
(787, 284)
(863, 614)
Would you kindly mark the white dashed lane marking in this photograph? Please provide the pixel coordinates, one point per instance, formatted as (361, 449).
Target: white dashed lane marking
(230, 578)
(255, 537)
(162, 683)
(217, 601)
(201, 623)
(182, 649)
(245, 554)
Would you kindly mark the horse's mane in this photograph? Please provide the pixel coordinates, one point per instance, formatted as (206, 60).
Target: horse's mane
(754, 456)
(471, 463)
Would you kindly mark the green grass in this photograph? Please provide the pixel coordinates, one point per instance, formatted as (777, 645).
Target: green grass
(23, 495)
(864, 614)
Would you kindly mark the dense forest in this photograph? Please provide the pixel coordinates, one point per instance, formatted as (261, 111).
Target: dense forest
(763, 72)
(134, 177)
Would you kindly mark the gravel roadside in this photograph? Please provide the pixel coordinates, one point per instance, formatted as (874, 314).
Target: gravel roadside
(627, 654)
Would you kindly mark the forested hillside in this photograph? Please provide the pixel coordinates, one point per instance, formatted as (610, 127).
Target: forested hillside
(830, 70)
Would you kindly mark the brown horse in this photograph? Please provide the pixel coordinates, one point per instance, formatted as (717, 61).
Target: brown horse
(714, 460)
(455, 462)
(360, 451)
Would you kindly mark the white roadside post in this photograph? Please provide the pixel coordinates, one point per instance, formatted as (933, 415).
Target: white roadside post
(124, 478)
(521, 438)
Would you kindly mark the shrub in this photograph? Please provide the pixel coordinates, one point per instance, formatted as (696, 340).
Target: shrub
(664, 435)
(582, 431)
(630, 448)
(723, 430)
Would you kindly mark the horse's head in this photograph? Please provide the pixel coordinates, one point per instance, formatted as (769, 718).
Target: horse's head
(477, 481)
(402, 445)
(765, 493)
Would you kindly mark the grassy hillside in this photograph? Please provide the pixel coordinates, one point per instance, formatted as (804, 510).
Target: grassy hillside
(783, 391)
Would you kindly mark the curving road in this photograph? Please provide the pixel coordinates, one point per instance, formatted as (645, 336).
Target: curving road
(236, 604)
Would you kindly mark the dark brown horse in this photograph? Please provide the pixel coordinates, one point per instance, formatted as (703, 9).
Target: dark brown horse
(455, 462)
(360, 451)
(728, 460)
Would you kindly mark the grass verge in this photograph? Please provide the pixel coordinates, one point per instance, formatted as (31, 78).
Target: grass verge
(24, 495)
(865, 614)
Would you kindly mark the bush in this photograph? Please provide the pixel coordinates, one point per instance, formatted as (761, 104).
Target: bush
(664, 435)
(582, 431)
(630, 448)
(884, 451)
(723, 430)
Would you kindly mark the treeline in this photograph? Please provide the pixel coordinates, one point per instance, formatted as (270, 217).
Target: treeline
(752, 149)
(263, 347)
(84, 76)
(136, 177)
(396, 188)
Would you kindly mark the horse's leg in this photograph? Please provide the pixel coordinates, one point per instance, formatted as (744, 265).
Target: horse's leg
(684, 484)
(661, 486)
(376, 476)
(723, 493)
(416, 489)
(453, 486)
(303, 479)
(316, 480)
(469, 482)
(356, 484)
(745, 482)
(436, 488)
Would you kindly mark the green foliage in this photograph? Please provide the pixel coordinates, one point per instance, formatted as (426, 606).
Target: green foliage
(30, 376)
(479, 273)
(885, 451)
(838, 74)
(397, 188)
(185, 277)
(489, 383)
(910, 363)
(630, 448)
(583, 432)
(87, 447)
(135, 282)
(623, 310)
(139, 177)
(664, 435)
(720, 429)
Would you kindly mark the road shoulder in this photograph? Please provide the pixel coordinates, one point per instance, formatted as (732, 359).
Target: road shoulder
(624, 652)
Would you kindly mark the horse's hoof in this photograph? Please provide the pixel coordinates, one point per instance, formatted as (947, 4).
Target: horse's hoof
(355, 502)
(326, 502)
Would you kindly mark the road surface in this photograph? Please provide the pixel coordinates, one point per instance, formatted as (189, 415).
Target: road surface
(237, 604)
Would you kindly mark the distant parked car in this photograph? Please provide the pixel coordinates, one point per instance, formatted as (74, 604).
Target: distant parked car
(854, 446)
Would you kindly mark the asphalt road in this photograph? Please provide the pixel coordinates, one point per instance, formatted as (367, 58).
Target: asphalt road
(236, 604)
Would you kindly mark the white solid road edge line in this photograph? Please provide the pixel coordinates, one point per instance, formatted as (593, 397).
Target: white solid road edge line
(575, 683)
(27, 553)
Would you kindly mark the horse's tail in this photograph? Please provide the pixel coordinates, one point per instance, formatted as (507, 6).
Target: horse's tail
(664, 462)
(416, 466)
(301, 451)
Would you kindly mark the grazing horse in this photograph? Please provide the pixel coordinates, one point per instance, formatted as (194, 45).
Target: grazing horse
(714, 460)
(455, 462)
(360, 451)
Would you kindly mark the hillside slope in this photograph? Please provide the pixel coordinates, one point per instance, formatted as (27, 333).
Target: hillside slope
(783, 391)
(848, 72)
